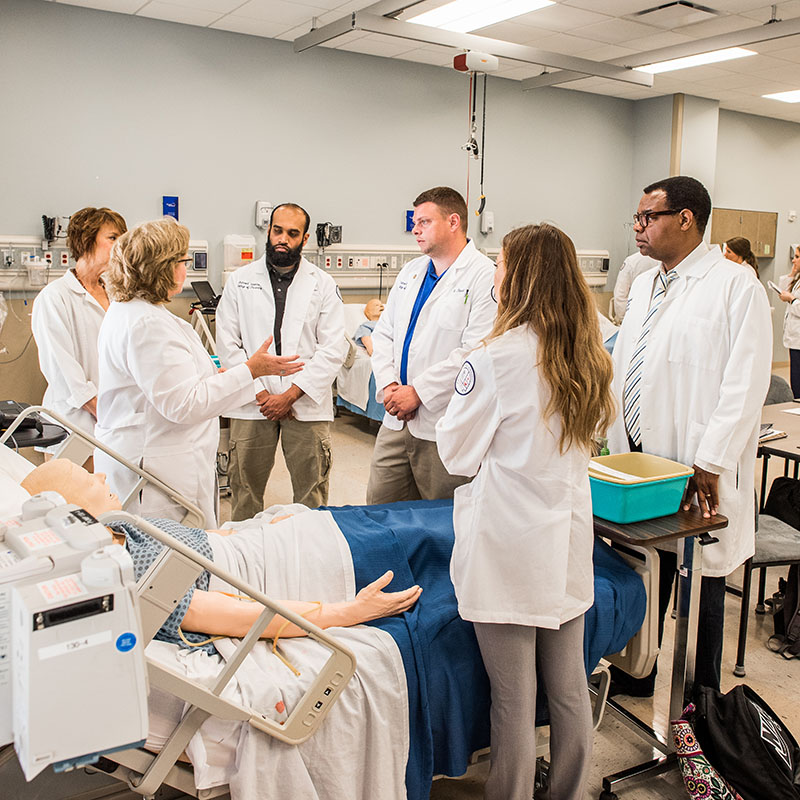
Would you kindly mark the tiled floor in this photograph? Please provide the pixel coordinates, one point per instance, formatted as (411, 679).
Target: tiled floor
(774, 678)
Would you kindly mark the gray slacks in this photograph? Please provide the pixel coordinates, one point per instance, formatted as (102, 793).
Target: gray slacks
(407, 468)
(511, 654)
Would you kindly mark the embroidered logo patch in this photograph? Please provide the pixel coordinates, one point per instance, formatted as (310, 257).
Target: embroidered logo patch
(465, 380)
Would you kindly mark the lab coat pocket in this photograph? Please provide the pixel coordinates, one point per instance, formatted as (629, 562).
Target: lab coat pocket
(697, 342)
(453, 311)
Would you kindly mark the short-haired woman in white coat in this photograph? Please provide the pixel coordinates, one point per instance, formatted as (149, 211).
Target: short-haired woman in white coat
(67, 315)
(526, 407)
(160, 394)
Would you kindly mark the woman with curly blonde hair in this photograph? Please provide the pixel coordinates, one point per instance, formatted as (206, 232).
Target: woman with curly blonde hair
(526, 407)
(160, 395)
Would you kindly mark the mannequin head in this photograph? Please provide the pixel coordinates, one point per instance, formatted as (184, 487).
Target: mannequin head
(85, 489)
(373, 309)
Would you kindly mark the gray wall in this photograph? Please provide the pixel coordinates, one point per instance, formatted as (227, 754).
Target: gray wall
(102, 108)
(758, 168)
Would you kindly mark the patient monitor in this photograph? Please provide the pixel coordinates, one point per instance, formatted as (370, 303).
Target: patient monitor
(72, 670)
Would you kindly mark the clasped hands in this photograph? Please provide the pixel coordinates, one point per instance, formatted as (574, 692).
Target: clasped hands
(278, 406)
(401, 401)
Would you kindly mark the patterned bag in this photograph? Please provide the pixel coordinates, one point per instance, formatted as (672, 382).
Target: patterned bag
(702, 781)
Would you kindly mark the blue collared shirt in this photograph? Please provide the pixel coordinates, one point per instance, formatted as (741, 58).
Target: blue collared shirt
(428, 283)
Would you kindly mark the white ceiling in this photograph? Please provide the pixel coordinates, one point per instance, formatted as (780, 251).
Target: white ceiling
(595, 29)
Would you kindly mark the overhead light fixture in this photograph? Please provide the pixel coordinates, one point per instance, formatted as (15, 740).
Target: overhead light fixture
(714, 57)
(469, 15)
(785, 97)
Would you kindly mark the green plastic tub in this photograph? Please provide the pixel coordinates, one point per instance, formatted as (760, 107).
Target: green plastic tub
(632, 487)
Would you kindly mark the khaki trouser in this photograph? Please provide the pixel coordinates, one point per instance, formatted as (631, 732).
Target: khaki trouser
(407, 468)
(306, 449)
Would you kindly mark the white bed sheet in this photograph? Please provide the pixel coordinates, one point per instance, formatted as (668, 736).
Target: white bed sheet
(352, 383)
(360, 751)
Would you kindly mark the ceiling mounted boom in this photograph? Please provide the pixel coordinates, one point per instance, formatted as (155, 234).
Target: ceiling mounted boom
(760, 33)
(375, 23)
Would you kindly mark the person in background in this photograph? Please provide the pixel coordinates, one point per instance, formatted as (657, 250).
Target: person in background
(160, 395)
(440, 306)
(363, 335)
(285, 296)
(738, 250)
(790, 294)
(692, 368)
(527, 405)
(632, 267)
(67, 315)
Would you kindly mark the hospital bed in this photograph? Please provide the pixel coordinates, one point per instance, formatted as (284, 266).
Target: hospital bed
(444, 716)
(355, 384)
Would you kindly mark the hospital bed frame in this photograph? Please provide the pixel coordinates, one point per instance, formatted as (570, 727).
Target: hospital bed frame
(76, 447)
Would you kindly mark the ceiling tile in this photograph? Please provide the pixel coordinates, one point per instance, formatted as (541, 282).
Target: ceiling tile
(791, 54)
(290, 34)
(774, 46)
(656, 40)
(279, 11)
(566, 45)
(175, 13)
(615, 8)
(252, 27)
(786, 10)
(375, 45)
(561, 18)
(714, 27)
(120, 6)
(220, 6)
(512, 32)
(614, 31)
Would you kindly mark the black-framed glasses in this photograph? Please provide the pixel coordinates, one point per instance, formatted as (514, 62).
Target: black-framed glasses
(643, 219)
(187, 261)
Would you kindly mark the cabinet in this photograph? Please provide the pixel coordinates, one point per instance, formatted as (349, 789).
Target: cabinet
(760, 227)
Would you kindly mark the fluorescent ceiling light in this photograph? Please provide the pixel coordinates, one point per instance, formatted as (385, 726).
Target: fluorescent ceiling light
(469, 15)
(785, 97)
(713, 57)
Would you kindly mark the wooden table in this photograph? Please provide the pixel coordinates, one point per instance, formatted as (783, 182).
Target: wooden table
(692, 532)
(787, 448)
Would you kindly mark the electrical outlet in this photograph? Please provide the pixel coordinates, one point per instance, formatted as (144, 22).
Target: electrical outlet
(48, 257)
(351, 262)
(8, 258)
(64, 259)
(394, 262)
(339, 262)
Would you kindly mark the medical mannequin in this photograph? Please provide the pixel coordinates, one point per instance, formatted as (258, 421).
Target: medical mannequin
(440, 306)
(67, 315)
(160, 394)
(363, 335)
(213, 613)
(525, 409)
(692, 368)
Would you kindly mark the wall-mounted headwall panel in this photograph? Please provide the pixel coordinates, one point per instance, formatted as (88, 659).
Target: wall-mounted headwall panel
(150, 108)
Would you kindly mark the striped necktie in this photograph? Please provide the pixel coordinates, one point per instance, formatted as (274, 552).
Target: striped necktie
(633, 380)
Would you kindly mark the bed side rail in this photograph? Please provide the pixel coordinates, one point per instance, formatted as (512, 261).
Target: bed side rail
(194, 517)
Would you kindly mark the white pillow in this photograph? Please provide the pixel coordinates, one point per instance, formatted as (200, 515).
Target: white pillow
(13, 468)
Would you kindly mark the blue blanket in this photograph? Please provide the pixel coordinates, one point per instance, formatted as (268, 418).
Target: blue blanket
(448, 690)
(374, 409)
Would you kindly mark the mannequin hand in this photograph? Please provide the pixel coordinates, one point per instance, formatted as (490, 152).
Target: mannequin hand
(373, 603)
(262, 362)
(706, 486)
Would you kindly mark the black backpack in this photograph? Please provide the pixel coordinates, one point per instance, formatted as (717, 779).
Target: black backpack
(746, 742)
(783, 503)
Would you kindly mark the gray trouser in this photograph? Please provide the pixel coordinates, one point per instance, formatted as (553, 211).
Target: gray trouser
(511, 653)
(407, 468)
(306, 449)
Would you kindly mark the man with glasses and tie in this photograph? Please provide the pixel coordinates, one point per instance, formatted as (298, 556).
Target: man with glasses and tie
(692, 367)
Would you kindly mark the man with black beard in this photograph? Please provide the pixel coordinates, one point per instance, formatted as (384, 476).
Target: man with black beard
(284, 296)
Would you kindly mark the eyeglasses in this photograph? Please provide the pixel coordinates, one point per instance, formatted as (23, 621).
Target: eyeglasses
(643, 219)
(185, 261)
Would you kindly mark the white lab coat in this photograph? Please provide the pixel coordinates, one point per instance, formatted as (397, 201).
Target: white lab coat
(791, 315)
(65, 322)
(458, 314)
(632, 267)
(159, 402)
(312, 327)
(523, 527)
(704, 381)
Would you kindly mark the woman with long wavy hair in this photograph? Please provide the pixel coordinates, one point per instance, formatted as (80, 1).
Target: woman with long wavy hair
(526, 407)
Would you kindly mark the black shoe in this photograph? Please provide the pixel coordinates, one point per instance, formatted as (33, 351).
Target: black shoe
(632, 688)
